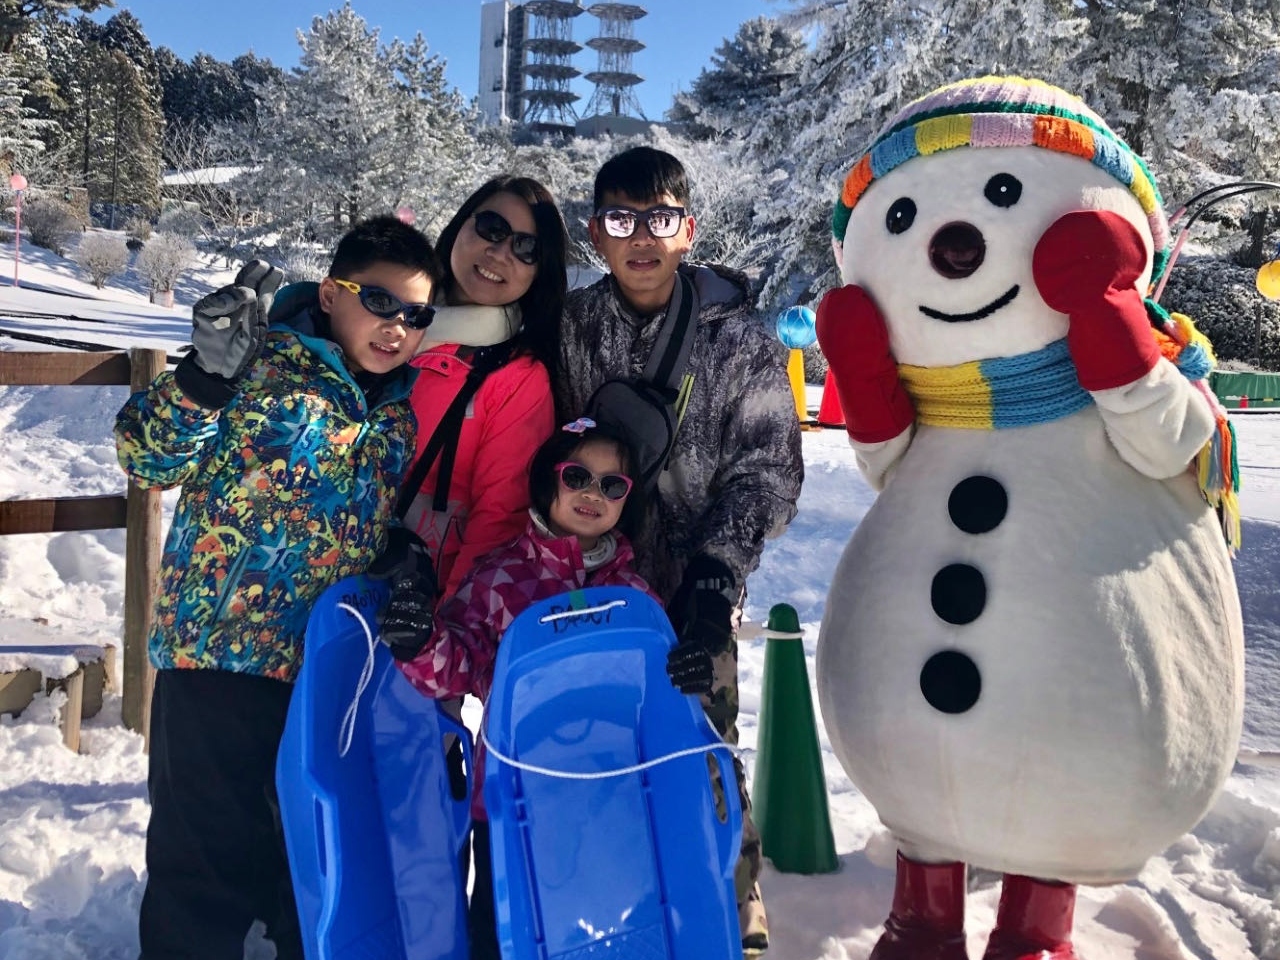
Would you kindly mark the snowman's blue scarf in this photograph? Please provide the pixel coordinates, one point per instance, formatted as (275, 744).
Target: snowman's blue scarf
(995, 394)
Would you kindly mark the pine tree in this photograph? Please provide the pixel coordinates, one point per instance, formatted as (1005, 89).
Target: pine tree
(745, 71)
(1194, 86)
(870, 59)
(20, 128)
(18, 16)
(356, 129)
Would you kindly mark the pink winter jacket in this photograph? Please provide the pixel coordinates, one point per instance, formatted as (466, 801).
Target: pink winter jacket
(464, 644)
(506, 421)
(460, 655)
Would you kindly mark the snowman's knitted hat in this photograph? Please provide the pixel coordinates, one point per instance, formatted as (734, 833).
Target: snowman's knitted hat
(1004, 112)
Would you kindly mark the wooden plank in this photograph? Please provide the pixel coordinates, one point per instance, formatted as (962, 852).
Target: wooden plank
(141, 570)
(25, 369)
(73, 709)
(17, 690)
(62, 515)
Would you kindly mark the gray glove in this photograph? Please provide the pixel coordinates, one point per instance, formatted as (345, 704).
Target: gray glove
(229, 325)
(228, 328)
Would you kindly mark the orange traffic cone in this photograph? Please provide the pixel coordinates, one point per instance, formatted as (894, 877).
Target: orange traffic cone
(829, 413)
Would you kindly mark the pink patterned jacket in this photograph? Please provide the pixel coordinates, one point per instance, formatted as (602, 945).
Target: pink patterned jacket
(460, 655)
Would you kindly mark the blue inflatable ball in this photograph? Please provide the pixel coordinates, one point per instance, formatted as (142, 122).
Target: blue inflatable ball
(797, 327)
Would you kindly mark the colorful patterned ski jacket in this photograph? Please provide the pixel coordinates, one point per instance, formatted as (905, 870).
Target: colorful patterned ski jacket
(509, 417)
(285, 491)
(464, 645)
(734, 474)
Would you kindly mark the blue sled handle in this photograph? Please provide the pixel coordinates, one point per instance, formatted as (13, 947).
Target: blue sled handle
(729, 839)
(461, 808)
(325, 832)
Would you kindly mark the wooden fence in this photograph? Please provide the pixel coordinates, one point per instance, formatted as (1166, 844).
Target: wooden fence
(138, 511)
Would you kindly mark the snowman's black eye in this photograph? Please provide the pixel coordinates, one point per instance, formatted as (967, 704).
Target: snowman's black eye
(1004, 190)
(901, 215)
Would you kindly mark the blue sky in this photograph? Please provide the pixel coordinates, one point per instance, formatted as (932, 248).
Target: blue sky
(680, 35)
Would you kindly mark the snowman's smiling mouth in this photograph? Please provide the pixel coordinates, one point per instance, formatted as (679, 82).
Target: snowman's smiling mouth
(981, 313)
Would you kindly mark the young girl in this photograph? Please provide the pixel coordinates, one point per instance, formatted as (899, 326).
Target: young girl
(585, 509)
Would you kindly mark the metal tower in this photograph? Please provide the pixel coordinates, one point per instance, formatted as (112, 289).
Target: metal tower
(549, 44)
(613, 76)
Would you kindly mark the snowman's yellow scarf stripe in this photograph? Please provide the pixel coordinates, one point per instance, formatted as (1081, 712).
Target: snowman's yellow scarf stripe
(996, 394)
(1041, 386)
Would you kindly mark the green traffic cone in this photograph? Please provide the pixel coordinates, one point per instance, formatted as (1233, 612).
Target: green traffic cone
(789, 798)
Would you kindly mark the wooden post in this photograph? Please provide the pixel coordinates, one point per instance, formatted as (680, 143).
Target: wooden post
(141, 566)
(73, 709)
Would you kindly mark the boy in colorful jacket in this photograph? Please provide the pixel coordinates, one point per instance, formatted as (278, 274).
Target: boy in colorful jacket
(290, 447)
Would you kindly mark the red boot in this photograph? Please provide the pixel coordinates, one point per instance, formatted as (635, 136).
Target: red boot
(1034, 921)
(927, 919)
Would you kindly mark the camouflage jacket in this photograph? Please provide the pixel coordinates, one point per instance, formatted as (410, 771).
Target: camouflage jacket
(736, 468)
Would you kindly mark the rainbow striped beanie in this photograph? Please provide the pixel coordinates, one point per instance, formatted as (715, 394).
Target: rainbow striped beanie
(1004, 112)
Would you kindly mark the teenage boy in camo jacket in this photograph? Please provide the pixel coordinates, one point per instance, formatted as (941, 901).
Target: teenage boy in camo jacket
(735, 471)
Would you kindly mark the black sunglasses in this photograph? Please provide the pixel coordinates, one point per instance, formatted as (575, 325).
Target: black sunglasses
(493, 226)
(621, 222)
(385, 305)
(575, 478)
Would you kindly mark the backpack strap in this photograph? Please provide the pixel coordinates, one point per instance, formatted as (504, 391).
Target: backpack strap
(666, 365)
(444, 439)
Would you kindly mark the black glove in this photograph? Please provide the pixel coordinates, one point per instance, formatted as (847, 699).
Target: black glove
(228, 328)
(405, 623)
(702, 613)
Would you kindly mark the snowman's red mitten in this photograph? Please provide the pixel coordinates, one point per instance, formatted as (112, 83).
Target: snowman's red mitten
(855, 341)
(1085, 266)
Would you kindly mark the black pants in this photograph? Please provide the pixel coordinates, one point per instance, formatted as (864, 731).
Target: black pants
(215, 851)
(482, 919)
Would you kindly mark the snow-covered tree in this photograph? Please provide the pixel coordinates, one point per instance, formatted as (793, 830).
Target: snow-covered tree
(359, 128)
(746, 70)
(1194, 86)
(107, 80)
(18, 16)
(20, 127)
(869, 59)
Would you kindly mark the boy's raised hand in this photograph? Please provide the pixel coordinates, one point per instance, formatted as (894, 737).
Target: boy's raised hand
(230, 324)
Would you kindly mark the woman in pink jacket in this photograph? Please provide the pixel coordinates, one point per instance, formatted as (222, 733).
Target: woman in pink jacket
(483, 409)
(584, 509)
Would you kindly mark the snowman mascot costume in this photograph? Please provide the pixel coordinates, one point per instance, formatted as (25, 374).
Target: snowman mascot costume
(1032, 656)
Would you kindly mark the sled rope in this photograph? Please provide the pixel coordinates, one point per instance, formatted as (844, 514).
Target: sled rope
(347, 731)
(600, 774)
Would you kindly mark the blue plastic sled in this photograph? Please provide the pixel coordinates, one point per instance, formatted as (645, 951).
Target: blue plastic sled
(373, 835)
(637, 865)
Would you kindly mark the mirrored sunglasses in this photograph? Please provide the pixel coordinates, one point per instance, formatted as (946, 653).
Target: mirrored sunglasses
(576, 478)
(621, 222)
(385, 305)
(493, 227)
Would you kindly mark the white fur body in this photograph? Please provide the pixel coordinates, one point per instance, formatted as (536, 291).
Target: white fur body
(1110, 647)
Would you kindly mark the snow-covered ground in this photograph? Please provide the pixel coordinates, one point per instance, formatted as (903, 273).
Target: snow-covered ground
(72, 827)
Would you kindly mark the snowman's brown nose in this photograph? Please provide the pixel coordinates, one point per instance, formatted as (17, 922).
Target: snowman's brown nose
(957, 250)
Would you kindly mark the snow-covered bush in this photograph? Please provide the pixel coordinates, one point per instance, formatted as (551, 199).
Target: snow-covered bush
(138, 228)
(1223, 300)
(181, 221)
(302, 261)
(102, 256)
(50, 224)
(164, 258)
